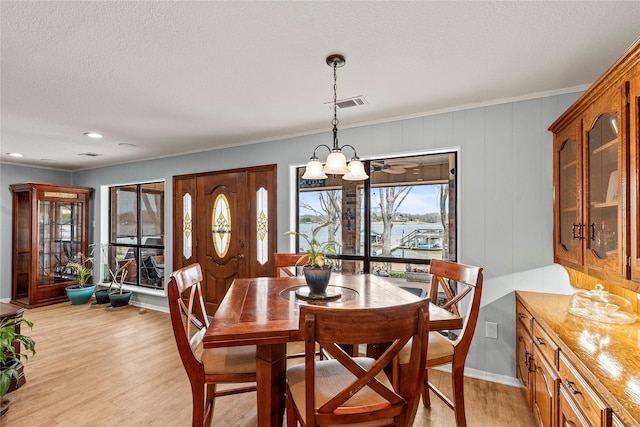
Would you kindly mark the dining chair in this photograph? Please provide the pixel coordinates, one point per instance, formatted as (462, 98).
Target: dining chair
(348, 389)
(205, 367)
(460, 284)
(287, 263)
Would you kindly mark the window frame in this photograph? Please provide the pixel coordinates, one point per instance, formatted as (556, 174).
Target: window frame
(366, 258)
(138, 247)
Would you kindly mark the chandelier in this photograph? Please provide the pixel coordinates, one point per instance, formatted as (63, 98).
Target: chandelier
(336, 163)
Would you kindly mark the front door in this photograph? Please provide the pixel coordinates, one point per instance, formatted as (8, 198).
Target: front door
(228, 226)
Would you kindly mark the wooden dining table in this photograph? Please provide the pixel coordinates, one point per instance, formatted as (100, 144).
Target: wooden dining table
(264, 312)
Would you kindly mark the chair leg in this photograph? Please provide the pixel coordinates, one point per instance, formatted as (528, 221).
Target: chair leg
(210, 403)
(457, 380)
(426, 400)
(292, 420)
(198, 404)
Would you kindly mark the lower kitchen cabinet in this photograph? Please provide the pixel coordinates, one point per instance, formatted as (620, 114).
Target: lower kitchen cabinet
(557, 362)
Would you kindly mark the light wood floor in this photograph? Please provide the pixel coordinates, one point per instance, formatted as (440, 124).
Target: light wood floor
(95, 367)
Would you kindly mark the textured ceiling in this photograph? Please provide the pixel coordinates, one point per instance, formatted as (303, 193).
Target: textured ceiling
(179, 76)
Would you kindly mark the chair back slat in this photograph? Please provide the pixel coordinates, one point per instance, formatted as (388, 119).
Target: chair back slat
(469, 280)
(186, 306)
(286, 263)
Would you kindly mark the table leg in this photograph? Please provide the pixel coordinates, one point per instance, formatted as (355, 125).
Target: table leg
(270, 382)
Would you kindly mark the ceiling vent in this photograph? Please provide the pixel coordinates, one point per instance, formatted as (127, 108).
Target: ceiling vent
(90, 154)
(356, 101)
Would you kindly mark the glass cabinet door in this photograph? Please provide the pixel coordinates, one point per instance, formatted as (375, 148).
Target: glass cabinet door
(60, 240)
(603, 198)
(569, 227)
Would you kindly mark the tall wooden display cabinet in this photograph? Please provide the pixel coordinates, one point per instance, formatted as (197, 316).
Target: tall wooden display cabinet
(50, 226)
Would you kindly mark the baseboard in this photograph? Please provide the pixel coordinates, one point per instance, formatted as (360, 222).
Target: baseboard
(149, 306)
(486, 376)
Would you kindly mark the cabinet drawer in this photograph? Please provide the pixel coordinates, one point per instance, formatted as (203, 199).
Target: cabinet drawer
(523, 316)
(570, 415)
(546, 345)
(615, 421)
(593, 408)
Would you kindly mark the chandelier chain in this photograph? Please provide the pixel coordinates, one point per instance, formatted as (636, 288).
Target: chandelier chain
(334, 122)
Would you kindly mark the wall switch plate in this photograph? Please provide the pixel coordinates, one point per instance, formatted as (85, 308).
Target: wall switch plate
(491, 330)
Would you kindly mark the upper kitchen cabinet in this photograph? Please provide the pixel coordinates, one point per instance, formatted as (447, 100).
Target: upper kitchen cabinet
(596, 165)
(634, 156)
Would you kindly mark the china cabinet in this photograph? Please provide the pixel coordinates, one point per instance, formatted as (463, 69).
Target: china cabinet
(596, 165)
(49, 228)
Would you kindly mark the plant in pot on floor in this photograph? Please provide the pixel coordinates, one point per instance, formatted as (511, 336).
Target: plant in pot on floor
(118, 297)
(82, 267)
(315, 265)
(115, 284)
(9, 358)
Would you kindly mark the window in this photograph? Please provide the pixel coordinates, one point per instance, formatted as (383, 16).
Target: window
(136, 236)
(406, 210)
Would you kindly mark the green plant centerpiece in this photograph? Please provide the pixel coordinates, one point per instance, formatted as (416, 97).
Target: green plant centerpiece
(82, 267)
(9, 358)
(315, 265)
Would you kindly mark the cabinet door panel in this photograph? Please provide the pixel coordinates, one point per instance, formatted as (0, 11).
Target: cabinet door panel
(569, 229)
(545, 391)
(523, 356)
(634, 156)
(605, 183)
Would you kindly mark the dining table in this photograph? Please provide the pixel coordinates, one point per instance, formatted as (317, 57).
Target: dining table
(264, 312)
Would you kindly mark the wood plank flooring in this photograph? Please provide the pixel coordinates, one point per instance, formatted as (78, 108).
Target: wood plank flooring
(96, 368)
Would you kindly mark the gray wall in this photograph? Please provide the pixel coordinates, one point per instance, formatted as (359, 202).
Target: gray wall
(505, 199)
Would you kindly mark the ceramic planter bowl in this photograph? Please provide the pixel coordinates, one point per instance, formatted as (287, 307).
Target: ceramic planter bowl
(78, 295)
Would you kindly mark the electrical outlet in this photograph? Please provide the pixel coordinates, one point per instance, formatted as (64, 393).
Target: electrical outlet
(491, 330)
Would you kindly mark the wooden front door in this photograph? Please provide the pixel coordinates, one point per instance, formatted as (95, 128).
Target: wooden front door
(226, 222)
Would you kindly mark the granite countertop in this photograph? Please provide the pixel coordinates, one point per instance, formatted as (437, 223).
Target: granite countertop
(606, 355)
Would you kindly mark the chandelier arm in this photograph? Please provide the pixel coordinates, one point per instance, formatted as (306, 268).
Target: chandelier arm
(314, 157)
(355, 154)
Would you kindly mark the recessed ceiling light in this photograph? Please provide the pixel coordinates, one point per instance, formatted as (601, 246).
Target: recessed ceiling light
(94, 135)
(15, 154)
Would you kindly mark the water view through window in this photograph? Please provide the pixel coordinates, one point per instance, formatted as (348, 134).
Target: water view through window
(410, 215)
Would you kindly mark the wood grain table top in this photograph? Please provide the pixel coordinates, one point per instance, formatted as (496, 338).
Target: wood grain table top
(606, 355)
(265, 310)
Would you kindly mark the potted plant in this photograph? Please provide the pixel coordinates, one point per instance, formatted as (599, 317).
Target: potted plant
(82, 267)
(115, 284)
(315, 265)
(118, 297)
(9, 357)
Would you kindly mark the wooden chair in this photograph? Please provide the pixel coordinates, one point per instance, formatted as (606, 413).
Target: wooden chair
(442, 350)
(205, 367)
(287, 263)
(348, 389)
